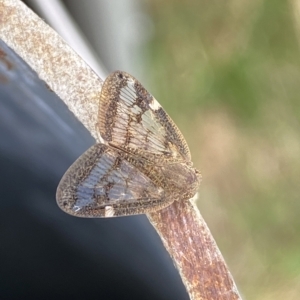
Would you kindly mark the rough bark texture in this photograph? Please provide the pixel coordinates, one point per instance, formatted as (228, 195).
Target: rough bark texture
(180, 226)
(54, 61)
(194, 252)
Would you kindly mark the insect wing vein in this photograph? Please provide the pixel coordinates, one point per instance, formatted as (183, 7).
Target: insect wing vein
(102, 177)
(130, 118)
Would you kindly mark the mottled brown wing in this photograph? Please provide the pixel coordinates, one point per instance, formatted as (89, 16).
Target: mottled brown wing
(103, 183)
(131, 119)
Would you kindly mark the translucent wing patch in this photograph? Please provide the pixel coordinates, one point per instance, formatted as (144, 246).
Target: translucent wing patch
(142, 165)
(105, 182)
(131, 119)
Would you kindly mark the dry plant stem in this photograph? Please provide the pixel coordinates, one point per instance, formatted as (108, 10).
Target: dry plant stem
(180, 226)
(194, 252)
(54, 61)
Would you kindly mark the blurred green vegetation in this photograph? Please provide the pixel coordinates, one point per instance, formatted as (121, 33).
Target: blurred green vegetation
(228, 72)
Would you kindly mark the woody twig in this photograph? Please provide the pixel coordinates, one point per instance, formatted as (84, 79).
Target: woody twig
(180, 226)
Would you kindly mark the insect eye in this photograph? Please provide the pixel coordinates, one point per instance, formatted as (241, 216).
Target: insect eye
(120, 75)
